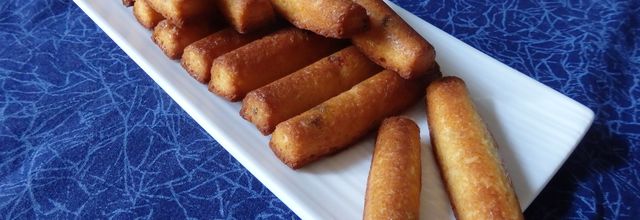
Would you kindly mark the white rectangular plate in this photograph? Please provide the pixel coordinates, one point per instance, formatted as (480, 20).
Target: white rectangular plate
(536, 127)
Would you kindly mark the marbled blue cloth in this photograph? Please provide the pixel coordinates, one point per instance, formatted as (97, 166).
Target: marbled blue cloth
(85, 133)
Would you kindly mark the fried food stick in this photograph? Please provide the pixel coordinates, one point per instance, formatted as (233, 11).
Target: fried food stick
(179, 12)
(145, 15)
(395, 178)
(128, 3)
(330, 18)
(199, 56)
(173, 39)
(258, 63)
(467, 155)
(247, 15)
(344, 119)
(282, 99)
(392, 43)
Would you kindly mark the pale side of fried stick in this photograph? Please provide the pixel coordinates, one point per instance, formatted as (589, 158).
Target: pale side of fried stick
(282, 99)
(128, 3)
(392, 43)
(173, 39)
(344, 119)
(179, 12)
(258, 63)
(395, 177)
(477, 183)
(330, 18)
(199, 56)
(145, 15)
(247, 15)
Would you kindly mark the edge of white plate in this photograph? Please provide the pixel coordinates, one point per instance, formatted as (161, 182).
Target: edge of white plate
(521, 76)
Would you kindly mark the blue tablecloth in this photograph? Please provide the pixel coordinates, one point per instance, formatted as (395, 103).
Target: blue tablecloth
(84, 132)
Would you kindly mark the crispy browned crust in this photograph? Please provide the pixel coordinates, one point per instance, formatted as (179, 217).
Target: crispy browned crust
(145, 15)
(180, 12)
(392, 43)
(287, 97)
(128, 3)
(341, 120)
(394, 183)
(198, 56)
(247, 15)
(258, 63)
(330, 18)
(477, 183)
(173, 39)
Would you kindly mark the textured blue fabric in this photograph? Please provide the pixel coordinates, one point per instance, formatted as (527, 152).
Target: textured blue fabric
(84, 132)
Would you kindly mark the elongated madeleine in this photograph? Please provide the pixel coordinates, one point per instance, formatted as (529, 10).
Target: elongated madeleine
(173, 39)
(344, 119)
(258, 63)
(199, 55)
(179, 12)
(395, 178)
(330, 18)
(282, 99)
(247, 15)
(128, 3)
(145, 15)
(392, 43)
(477, 183)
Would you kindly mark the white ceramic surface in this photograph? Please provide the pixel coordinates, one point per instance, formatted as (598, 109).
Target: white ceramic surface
(536, 127)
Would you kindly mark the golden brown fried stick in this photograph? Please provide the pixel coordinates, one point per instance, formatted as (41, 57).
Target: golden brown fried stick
(342, 120)
(145, 15)
(282, 99)
(392, 43)
(173, 39)
(478, 185)
(198, 56)
(258, 63)
(330, 18)
(179, 12)
(393, 187)
(247, 15)
(128, 3)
